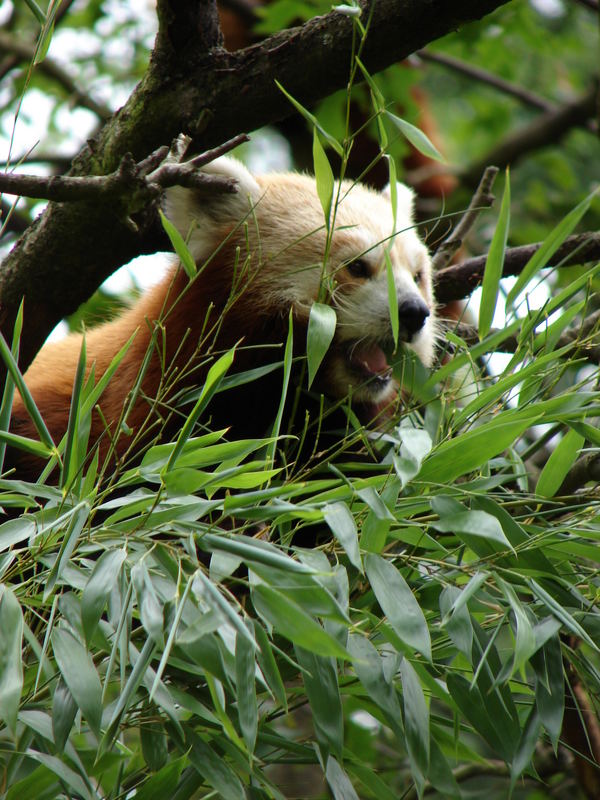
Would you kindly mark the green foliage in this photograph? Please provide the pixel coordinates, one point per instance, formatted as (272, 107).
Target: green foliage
(163, 643)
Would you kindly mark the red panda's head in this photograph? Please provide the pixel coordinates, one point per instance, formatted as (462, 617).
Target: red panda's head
(277, 222)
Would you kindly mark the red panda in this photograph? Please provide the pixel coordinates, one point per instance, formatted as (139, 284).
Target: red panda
(260, 253)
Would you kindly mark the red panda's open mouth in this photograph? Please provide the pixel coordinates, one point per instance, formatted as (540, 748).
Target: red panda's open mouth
(368, 360)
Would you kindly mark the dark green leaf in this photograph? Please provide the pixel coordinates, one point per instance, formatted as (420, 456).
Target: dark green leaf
(97, 589)
(293, 622)
(79, 673)
(321, 329)
(64, 709)
(398, 604)
(494, 265)
(214, 769)
(245, 683)
(343, 527)
(321, 683)
(416, 718)
(11, 664)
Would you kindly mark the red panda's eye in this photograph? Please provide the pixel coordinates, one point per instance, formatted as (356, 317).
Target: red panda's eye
(358, 268)
(418, 276)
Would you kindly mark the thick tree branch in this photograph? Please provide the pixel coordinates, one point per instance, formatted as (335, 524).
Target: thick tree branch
(547, 129)
(187, 27)
(460, 280)
(210, 95)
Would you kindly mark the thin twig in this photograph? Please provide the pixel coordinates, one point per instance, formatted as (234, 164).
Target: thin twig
(483, 76)
(483, 198)
(25, 52)
(55, 160)
(180, 173)
(581, 337)
(12, 61)
(460, 280)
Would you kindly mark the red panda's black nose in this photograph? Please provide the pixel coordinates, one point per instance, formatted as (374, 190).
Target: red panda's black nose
(412, 312)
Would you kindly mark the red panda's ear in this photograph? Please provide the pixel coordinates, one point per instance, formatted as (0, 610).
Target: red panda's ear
(199, 216)
(405, 203)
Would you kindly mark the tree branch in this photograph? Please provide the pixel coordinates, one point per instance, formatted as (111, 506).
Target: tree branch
(25, 52)
(483, 76)
(72, 248)
(546, 129)
(186, 28)
(581, 336)
(460, 280)
(131, 183)
(584, 470)
(483, 198)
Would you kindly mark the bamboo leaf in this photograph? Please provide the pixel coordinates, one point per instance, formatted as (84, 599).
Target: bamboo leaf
(323, 177)
(180, 247)
(268, 665)
(547, 249)
(70, 457)
(331, 141)
(79, 674)
(214, 769)
(469, 451)
(470, 525)
(64, 711)
(97, 589)
(416, 718)
(321, 329)
(494, 264)
(164, 782)
(294, 623)
(64, 773)
(550, 688)
(287, 369)
(213, 378)
(560, 462)
(339, 782)
(392, 298)
(11, 664)
(246, 690)
(416, 137)
(9, 384)
(343, 527)
(368, 665)
(399, 604)
(321, 682)
(26, 396)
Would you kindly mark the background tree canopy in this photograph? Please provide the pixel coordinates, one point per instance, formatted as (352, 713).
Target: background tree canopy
(411, 614)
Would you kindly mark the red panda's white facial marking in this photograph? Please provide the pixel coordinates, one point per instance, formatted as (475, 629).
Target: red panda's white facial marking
(285, 234)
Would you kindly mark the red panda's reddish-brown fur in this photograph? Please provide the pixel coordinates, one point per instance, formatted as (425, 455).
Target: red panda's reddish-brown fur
(260, 255)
